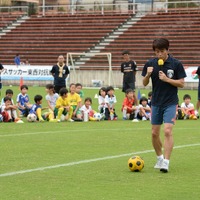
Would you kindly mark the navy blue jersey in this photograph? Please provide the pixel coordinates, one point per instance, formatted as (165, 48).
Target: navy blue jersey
(129, 68)
(59, 81)
(198, 71)
(34, 108)
(164, 94)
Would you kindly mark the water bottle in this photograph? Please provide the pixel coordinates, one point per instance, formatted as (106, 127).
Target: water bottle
(85, 116)
(111, 115)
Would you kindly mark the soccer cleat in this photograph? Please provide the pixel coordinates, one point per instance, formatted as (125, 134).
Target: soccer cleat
(124, 118)
(41, 120)
(164, 167)
(70, 120)
(158, 164)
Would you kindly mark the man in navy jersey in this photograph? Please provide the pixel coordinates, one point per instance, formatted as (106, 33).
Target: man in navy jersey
(167, 74)
(198, 101)
(129, 68)
(60, 72)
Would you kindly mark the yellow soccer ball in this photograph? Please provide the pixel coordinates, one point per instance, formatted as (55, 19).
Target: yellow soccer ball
(135, 163)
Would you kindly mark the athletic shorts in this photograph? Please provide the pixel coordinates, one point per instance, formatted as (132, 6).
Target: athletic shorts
(128, 86)
(163, 114)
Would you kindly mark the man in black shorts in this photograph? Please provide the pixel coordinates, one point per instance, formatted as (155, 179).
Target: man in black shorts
(129, 68)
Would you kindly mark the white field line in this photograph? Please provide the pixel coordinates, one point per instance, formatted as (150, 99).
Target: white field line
(87, 161)
(89, 130)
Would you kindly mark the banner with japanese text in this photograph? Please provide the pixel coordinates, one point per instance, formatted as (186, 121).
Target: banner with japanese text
(28, 72)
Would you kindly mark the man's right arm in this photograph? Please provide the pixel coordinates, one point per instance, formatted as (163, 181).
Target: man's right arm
(147, 76)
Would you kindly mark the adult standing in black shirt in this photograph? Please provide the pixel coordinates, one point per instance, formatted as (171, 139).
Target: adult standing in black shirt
(60, 72)
(1, 69)
(198, 101)
(129, 68)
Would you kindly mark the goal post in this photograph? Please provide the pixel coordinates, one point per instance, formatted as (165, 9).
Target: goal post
(70, 57)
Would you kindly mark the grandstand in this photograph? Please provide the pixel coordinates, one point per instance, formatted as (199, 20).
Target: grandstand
(41, 38)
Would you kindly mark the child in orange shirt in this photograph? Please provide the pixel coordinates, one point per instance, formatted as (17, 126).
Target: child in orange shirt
(129, 105)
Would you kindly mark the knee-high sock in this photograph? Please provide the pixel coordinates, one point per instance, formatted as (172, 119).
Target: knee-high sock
(39, 113)
(70, 112)
(60, 111)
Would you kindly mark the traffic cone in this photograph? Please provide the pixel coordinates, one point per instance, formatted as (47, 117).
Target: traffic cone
(21, 82)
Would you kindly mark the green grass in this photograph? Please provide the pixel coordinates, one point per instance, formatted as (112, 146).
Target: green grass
(94, 157)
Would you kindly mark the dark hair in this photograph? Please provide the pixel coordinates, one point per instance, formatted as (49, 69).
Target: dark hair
(160, 43)
(104, 89)
(186, 96)
(72, 84)
(88, 99)
(6, 99)
(9, 91)
(50, 86)
(125, 52)
(129, 90)
(63, 91)
(150, 94)
(37, 98)
(24, 86)
(78, 84)
(143, 99)
(110, 88)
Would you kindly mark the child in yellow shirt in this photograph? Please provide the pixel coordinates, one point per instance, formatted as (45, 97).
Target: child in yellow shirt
(63, 106)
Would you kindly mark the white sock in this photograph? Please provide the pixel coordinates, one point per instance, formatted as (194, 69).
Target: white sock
(166, 161)
(124, 113)
(161, 157)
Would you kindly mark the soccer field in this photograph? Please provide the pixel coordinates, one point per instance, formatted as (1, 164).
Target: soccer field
(88, 160)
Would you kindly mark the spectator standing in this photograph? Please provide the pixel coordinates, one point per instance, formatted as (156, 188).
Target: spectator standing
(166, 79)
(17, 60)
(129, 69)
(60, 72)
(1, 70)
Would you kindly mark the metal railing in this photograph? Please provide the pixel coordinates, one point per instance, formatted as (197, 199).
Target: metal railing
(104, 8)
(14, 10)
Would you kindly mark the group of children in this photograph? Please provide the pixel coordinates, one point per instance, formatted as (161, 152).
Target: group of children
(68, 106)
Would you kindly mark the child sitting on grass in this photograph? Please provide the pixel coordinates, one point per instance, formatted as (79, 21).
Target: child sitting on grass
(129, 105)
(86, 109)
(63, 106)
(8, 111)
(101, 100)
(110, 101)
(24, 105)
(188, 108)
(74, 100)
(144, 110)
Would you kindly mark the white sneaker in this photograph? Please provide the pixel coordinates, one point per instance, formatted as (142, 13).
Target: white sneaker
(164, 167)
(70, 120)
(144, 118)
(135, 120)
(158, 164)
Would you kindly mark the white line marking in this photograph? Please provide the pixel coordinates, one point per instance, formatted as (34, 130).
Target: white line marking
(78, 130)
(87, 161)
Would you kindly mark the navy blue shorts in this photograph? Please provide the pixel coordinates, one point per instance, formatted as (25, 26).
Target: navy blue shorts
(163, 114)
